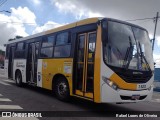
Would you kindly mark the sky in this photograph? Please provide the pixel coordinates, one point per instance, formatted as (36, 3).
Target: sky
(28, 17)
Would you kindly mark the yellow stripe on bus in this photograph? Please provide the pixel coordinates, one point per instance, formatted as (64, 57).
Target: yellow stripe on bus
(87, 21)
(51, 67)
(97, 69)
(72, 25)
(61, 28)
(121, 83)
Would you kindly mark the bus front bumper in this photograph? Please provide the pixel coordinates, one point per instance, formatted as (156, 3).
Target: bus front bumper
(109, 95)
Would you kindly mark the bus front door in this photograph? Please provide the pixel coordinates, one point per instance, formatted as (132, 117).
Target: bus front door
(32, 62)
(85, 64)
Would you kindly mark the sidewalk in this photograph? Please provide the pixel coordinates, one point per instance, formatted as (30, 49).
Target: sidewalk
(2, 73)
(156, 96)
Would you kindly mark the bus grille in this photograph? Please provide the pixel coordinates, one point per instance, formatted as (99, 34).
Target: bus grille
(135, 79)
(130, 97)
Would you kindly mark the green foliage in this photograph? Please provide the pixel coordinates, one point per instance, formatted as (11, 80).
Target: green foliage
(2, 54)
(17, 37)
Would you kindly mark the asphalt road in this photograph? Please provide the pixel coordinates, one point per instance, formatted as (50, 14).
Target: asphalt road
(27, 98)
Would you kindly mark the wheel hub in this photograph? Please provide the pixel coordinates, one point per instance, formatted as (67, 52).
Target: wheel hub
(18, 79)
(62, 88)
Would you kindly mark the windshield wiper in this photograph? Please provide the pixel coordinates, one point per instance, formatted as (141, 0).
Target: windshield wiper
(140, 52)
(128, 55)
(143, 57)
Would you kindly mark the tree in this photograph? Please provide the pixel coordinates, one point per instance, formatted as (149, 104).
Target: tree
(2, 54)
(17, 37)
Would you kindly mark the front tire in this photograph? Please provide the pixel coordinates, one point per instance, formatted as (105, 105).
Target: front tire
(19, 79)
(62, 89)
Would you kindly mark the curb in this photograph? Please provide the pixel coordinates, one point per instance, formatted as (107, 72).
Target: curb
(2, 76)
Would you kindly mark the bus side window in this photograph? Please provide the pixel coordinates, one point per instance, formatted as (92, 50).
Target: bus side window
(62, 51)
(49, 41)
(20, 46)
(20, 49)
(62, 38)
(63, 45)
(47, 47)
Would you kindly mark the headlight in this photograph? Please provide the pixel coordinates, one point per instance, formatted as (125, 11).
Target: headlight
(110, 83)
(150, 87)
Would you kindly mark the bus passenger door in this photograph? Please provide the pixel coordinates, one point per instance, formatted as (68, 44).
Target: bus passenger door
(32, 61)
(11, 62)
(85, 64)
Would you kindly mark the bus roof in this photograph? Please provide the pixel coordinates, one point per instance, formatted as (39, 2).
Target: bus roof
(64, 27)
(71, 25)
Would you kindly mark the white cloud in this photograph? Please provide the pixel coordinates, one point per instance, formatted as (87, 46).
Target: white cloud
(156, 56)
(158, 41)
(94, 14)
(157, 59)
(118, 9)
(11, 25)
(36, 2)
(24, 15)
(76, 8)
(46, 26)
(2, 48)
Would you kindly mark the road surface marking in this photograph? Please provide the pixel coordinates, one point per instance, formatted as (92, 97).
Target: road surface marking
(4, 99)
(3, 83)
(11, 81)
(158, 100)
(10, 107)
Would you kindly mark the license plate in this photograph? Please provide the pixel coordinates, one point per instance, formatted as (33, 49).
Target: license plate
(135, 97)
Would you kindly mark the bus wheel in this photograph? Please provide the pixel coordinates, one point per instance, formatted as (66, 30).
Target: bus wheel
(62, 89)
(18, 79)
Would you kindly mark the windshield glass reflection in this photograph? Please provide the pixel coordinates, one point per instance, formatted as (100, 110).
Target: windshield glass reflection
(128, 47)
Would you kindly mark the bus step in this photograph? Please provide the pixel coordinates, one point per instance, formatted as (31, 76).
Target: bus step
(32, 83)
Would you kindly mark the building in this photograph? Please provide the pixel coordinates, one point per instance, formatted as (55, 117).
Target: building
(157, 74)
(157, 79)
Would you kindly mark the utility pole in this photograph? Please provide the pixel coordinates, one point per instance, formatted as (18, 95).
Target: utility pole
(156, 19)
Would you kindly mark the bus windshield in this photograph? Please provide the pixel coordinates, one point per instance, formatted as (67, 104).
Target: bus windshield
(128, 47)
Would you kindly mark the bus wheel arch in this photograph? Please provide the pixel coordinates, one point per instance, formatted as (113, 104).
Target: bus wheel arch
(18, 78)
(60, 86)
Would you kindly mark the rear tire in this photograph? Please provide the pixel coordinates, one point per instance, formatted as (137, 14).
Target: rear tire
(62, 89)
(19, 79)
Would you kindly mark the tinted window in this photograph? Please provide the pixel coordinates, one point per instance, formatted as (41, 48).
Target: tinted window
(92, 40)
(91, 47)
(20, 46)
(7, 51)
(81, 48)
(36, 49)
(62, 51)
(48, 42)
(62, 39)
(46, 52)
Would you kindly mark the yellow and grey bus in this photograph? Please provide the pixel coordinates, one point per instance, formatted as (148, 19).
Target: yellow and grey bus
(99, 59)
